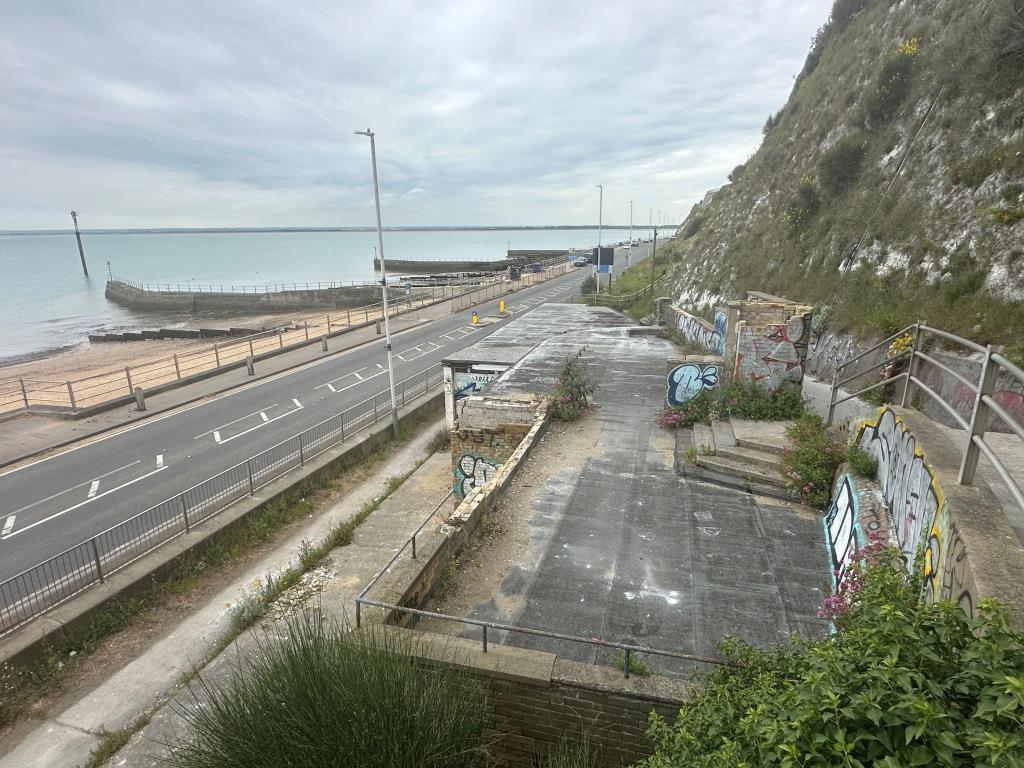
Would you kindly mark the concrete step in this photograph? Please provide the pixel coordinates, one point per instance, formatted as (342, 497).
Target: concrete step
(724, 437)
(741, 470)
(767, 436)
(703, 438)
(700, 474)
(762, 459)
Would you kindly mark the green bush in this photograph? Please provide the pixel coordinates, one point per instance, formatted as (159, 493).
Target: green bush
(569, 400)
(692, 226)
(840, 165)
(804, 205)
(744, 400)
(810, 463)
(589, 285)
(1006, 32)
(328, 696)
(861, 462)
(901, 683)
(737, 172)
(892, 86)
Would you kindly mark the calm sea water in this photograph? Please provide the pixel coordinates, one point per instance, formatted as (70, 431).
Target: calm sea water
(47, 304)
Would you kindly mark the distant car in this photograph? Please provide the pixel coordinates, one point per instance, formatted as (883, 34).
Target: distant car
(580, 261)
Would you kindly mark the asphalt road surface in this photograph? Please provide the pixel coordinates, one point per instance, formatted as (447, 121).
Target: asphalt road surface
(55, 503)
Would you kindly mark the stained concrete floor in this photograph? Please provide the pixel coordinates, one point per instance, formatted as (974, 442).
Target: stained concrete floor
(625, 549)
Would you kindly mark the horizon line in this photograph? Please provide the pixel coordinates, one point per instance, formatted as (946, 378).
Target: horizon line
(392, 228)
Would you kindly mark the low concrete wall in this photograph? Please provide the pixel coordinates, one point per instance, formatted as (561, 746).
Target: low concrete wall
(536, 700)
(442, 267)
(967, 548)
(346, 297)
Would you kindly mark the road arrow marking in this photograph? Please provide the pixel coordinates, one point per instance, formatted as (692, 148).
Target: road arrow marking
(159, 459)
(93, 488)
(8, 525)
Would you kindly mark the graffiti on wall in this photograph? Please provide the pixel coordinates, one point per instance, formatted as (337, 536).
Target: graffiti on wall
(962, 396)
(720, 328)
(909, 489)
(955, 582)
(771, 354)
(696, 330)
(472, 472)
(841, 531)
(688, 380)
(826, 351)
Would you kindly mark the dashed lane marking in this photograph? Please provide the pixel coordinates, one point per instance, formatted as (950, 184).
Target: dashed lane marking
(93, 488)
(8, 525)
(66, 490)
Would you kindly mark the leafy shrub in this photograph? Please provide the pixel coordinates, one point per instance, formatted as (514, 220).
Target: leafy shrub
(1006, 32)
(843, 11)
(804, 205)
(744, 400)
(1006, 214)
(737, 172)
(861, 462)
(893, 84)
(589, 285)
(569, 400)
(810, 463)
(840, 165)
(772, 121)
(693, 225)
(327, 696)
(901, 683)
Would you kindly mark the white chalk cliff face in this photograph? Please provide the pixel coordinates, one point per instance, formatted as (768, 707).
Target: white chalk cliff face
(896, 167)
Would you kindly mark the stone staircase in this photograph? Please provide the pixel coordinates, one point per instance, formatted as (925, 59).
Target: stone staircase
(739, 454)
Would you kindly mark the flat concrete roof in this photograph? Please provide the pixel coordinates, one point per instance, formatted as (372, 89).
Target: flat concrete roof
(513, 341)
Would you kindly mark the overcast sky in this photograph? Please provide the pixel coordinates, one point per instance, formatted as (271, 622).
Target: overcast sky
(145, 114)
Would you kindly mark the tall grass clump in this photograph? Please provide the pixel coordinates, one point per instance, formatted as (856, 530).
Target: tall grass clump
(328, 696)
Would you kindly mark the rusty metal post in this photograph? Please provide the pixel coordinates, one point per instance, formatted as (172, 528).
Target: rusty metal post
(980, 415)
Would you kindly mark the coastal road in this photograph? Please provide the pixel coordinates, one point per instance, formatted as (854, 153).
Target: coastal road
(55, 503)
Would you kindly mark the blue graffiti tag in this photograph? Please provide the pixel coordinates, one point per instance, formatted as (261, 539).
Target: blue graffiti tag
(688, 380)
(720, 327)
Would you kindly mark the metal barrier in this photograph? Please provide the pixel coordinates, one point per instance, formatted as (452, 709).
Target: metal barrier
(410, 543)
(993, 362)
(37, 589)
(618, 300)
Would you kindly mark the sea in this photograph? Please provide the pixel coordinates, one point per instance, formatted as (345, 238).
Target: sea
(47, 305)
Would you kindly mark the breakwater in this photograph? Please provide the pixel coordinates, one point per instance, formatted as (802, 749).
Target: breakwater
(516, 258)
(343, 297)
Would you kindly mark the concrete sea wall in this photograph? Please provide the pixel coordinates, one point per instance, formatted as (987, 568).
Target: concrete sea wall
(346, 297)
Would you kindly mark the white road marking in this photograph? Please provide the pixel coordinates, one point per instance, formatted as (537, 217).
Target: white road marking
(330, 384)
(159, 459)
(297, 403)
(73, 487)
(216, 436)
(8, 525)
(234, 421)
(81, 504)
(93, 488)
(264, 417)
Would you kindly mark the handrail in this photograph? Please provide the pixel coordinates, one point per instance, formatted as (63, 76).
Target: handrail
(983, 389)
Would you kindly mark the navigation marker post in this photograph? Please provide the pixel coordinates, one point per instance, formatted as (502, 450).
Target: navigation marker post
(81, 250)
(383, 282)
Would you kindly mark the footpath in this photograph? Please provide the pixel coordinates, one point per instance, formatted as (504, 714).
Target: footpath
(152, 681)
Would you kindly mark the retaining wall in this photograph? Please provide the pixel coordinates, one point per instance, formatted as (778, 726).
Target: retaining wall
(536, 701)
(958, 534)
(346, 297)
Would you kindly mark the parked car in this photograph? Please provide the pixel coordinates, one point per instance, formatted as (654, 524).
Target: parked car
(580, 261)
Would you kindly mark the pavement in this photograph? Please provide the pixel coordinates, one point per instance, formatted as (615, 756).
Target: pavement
(56, 502)
(625, 549)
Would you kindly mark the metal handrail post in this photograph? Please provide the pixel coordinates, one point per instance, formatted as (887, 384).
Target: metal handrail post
(24, 392)
(71, 396)
(184, 512)
(908, 391)
(980, 415)
(833, 396)
(96, 558)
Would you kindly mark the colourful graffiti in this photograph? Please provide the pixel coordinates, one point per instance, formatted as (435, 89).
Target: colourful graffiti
(688, 380)
(955, 578)
(962, 396)
(472, 472)
(770, 354)
(699, 332)
(909, 489)
(720, 327)
(841, 531)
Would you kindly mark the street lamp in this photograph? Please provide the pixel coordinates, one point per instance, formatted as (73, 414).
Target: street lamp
(597, 261)
(629, 255)
(383, 280)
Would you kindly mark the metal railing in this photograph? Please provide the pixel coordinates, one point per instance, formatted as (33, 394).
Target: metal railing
(992, 364)
(250, 289)
(627, 649)
(24, 394)
(618, 300)
(43, 586)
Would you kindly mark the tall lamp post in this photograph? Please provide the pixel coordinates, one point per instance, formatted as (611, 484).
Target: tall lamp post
(597, 261)
(629, 255)
(383, 280)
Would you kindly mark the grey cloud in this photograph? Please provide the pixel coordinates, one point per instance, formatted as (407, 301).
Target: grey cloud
(236, 113)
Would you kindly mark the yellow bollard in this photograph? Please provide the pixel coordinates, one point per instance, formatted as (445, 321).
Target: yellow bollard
(475, 319)
(501, 307)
